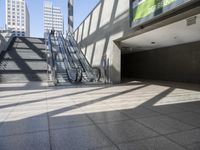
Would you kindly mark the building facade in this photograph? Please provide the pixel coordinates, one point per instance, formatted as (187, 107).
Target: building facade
(17, 17)
(53, 18)
(144, 39)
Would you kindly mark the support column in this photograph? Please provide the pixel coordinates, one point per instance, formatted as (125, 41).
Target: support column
(115, 64)
(70, 15)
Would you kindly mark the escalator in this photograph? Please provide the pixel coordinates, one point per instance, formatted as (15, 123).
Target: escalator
(61, 68)
(90, 74)
(66, 63)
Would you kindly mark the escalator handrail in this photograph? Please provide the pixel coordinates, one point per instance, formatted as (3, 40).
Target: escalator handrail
(68, 57)
(52, 60)
(75, 45)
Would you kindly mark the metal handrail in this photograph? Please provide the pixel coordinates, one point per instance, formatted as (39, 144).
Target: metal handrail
(51, 57)
(66, 47)
(92, 72)
(72, 68)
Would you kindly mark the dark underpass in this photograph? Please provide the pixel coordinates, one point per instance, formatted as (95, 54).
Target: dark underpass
(179, 63)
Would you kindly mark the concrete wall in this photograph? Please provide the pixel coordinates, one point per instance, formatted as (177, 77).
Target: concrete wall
(177, 63)
(96, 35)
(99, 35)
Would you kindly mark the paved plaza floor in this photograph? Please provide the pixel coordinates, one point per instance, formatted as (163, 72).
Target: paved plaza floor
(139, 115)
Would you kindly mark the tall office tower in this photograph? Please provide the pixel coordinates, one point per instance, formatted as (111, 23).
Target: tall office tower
(17, 17)
(53, 18)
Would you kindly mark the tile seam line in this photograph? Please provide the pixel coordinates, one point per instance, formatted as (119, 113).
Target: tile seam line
(24, 133)
(164, 114)
(48, 122)
(112, 142)
(159, 133)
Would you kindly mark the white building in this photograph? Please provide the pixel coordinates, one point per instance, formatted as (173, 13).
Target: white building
(53, 18)
(17, 17)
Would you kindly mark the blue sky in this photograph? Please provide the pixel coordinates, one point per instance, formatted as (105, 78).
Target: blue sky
(81, 10)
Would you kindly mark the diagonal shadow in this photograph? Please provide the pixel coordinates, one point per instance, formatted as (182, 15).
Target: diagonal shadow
(55, 112)
(22, 65)
(27, 93)
(158, 97)
(50, 98)
(98, 26)
(33, 47)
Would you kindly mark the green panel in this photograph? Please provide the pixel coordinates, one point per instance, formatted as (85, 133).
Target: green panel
(145, 10)
(150, 6)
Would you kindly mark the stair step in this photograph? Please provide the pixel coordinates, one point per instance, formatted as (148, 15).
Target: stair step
(20, 77)
(27, 65)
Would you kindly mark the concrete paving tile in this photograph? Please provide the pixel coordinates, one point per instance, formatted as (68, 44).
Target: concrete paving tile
(24, 114)
(3, 116)
(67, 106)
(158, 143)
(6, 110)
(34, 96)
(164, 124)
(95, 108)
(103, 117)
(84, 138)
(187, 117)
(34, 141)
(51, 102)
(29, 107)
(166, 109)
(9, 99)
(13, 126)
(66, 111)
(69, 121)
(105, 148)
(139, 112)
(123, 131)
(187, 137)
(195, 146)
(192, 106)
(59, 105)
